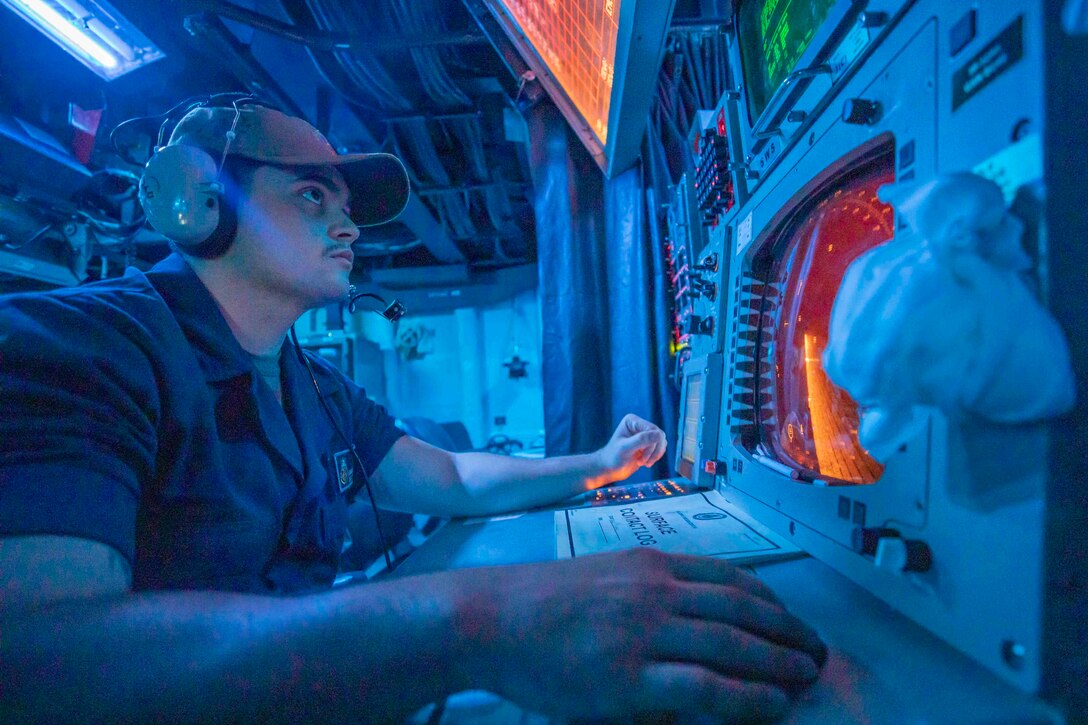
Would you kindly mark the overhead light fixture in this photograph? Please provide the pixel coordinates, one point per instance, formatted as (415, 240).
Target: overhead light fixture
(92, 31)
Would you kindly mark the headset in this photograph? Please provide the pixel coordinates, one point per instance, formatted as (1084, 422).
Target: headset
(182, 190)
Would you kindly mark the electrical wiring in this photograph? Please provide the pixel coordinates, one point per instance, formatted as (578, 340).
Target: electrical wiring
(413, 132)
(453, 211)
(499, 210)
(31, 239)
(437, 83)
(362, 68)
(703, 69)
(467, 131)
(440, 153)
(337, 86)
(366, 73)
(687, 96)
(452, 208)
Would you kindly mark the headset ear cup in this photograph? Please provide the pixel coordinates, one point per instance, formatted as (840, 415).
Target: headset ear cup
(181, 195)
(219, 241)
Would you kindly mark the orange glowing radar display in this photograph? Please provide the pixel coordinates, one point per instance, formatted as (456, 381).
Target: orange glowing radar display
(576, 39)
(816, 422)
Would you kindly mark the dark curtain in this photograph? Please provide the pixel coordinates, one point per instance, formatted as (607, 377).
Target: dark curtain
(572, 264)
(604, 319)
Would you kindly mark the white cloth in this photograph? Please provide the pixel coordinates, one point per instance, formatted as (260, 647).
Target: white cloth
(941, 316)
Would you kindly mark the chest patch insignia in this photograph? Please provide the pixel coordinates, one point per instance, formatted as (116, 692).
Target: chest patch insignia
(345, 469)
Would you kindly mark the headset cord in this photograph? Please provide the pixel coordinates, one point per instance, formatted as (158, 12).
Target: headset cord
(349, 443)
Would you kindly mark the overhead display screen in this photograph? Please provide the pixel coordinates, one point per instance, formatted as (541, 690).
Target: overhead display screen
(773, 35)
(576, 39)
(598, 61)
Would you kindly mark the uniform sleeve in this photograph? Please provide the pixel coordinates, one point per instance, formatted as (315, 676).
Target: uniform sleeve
(77, 419)
(375, 429)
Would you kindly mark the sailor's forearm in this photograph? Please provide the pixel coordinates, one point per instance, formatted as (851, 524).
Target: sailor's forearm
(375, 653)
(496, 483)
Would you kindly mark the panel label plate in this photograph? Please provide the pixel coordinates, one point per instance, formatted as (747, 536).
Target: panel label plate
(1000, 54)
(848, 51)
(744, 234)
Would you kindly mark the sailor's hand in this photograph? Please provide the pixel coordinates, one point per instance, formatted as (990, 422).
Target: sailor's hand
(635, 444)
(637, 632)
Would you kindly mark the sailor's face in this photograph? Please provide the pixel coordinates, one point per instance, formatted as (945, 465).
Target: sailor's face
(295, 232)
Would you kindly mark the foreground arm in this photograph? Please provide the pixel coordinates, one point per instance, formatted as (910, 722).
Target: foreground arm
(599, 636)
(418, 477)
(89, 650)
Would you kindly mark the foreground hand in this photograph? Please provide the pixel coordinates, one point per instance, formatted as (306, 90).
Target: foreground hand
(636, 443)
(636, 632)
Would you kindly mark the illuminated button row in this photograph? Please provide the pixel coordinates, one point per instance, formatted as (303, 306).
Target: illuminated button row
(651, 489)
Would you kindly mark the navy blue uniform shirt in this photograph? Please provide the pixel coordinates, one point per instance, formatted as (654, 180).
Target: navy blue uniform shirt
(130, 415)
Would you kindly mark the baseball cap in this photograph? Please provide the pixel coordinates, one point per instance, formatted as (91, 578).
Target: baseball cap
(377, 182)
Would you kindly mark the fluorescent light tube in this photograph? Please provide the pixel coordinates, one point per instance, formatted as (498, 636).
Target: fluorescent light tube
(112, 40)
(93, 32)
(62, 31)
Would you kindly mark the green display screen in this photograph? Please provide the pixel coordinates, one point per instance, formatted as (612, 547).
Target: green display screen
(773, 36)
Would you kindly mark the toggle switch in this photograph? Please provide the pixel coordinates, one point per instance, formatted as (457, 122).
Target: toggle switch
(899, 555)
(873, 19)
(703, 287)
(709, 263)
(864, 540)
(861, 112)
(700, 325)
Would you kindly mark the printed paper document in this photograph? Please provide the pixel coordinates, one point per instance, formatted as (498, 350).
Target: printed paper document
(701, 523)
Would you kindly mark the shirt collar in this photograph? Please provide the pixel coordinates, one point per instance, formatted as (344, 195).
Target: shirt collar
(198, 314)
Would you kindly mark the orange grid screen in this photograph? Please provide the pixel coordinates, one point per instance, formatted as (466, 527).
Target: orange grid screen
(576, 39)
(816, 421)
